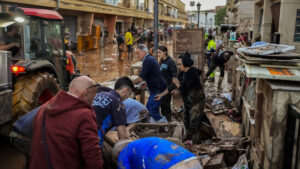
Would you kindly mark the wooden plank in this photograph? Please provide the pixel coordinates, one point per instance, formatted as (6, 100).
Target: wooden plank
(223, 127)
(191, 41)
(215, 162)
(111, 137)
(259, 114)
(188, 40)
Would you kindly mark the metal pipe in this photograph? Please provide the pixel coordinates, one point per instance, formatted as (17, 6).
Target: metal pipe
(57, 7)
(155, 27)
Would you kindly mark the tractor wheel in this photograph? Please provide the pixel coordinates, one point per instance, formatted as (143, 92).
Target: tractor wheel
(32, 90)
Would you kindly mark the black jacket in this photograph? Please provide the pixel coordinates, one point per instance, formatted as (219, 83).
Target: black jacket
(219, 58)
(189, 81)
(168, 69)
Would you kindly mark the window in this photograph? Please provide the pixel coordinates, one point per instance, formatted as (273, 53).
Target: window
(192, 3)
(261, 13)
(33, 39)
(52, 37)
(297, 27)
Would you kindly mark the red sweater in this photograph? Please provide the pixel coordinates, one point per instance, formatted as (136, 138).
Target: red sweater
(71, 132)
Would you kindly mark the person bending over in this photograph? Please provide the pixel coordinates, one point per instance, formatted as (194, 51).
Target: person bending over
(153, 153)
(218, 60)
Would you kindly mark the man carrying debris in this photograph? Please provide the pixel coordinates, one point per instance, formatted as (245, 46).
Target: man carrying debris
(153, 153)
(218, 59)
(154, 79)
(110, 110)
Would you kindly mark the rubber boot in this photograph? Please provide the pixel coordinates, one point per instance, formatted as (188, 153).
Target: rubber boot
(220, 82)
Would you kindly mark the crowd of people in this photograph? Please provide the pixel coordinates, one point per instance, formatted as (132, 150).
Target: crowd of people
(68, 131)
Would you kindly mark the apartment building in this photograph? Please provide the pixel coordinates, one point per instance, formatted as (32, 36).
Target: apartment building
(278, 21)
(111, 15)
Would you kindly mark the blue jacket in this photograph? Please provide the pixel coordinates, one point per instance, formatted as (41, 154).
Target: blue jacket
(24, 125)
(152, 75)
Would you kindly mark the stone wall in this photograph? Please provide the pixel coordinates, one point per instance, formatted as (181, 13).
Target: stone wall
(270, 122)
(287, 22)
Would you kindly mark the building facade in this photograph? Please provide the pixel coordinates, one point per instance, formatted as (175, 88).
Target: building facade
(239, 10)
(206, 18)
(111, 15)
(278, 21)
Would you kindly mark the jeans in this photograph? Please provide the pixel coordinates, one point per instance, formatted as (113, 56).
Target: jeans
(153, 107)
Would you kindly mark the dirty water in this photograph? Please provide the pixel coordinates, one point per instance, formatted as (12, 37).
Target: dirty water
(104, 65)
(10, 158)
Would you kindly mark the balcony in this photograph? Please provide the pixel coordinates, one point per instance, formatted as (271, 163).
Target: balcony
(111, 2)
(141, 8)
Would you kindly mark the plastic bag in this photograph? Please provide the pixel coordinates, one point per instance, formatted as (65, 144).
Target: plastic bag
(227, 96)
(217, 101)
(241, 163)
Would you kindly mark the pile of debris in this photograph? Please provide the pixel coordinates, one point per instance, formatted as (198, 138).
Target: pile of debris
(219, 153)
(218, 103)
(221, 103)
(270, 61)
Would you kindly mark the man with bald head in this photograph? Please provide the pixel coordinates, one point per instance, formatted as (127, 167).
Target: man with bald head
(65, 130)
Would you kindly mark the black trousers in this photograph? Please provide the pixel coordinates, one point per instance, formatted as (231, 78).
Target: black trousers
(165, 106)
(213, 65)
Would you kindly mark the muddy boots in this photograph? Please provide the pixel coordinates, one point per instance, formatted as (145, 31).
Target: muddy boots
(220, 83)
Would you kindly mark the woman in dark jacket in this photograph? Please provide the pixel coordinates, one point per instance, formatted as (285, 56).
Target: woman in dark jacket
(190, 88)
(169, 71)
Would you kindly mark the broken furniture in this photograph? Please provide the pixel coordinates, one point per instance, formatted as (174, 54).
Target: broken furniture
(271, 105)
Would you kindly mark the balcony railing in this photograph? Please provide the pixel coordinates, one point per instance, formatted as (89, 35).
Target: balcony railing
(140, 8)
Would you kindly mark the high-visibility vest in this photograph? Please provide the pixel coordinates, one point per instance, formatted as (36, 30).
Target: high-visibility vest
(211, 44)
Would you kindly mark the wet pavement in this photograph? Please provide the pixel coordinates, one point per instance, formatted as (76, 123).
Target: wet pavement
(10, 157)
(103, 65)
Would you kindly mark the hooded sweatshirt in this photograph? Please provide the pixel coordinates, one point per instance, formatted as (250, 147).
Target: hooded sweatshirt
(71, 135)
(189, 81)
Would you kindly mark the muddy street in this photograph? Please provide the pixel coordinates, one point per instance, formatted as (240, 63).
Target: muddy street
(104, 65)
(81, 86)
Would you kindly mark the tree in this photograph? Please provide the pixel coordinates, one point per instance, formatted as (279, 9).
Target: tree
(220, 15)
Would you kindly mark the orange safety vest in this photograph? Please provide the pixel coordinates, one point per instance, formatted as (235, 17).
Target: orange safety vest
(70, 66)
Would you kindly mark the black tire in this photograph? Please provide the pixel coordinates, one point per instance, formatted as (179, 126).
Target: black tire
(28, 90)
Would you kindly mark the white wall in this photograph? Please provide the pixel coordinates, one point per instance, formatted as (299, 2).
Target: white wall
(205, 4)
(245, 10)
(287, 22)
(210, 19)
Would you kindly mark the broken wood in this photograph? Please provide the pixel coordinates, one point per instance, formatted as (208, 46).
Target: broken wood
(215, 162)
(223, 127)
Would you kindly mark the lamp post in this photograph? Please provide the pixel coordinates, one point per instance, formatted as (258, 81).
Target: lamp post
(205, 18)
(198, 9)
(155, 27)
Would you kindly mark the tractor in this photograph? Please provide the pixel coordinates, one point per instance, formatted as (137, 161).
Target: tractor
(40, 64)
